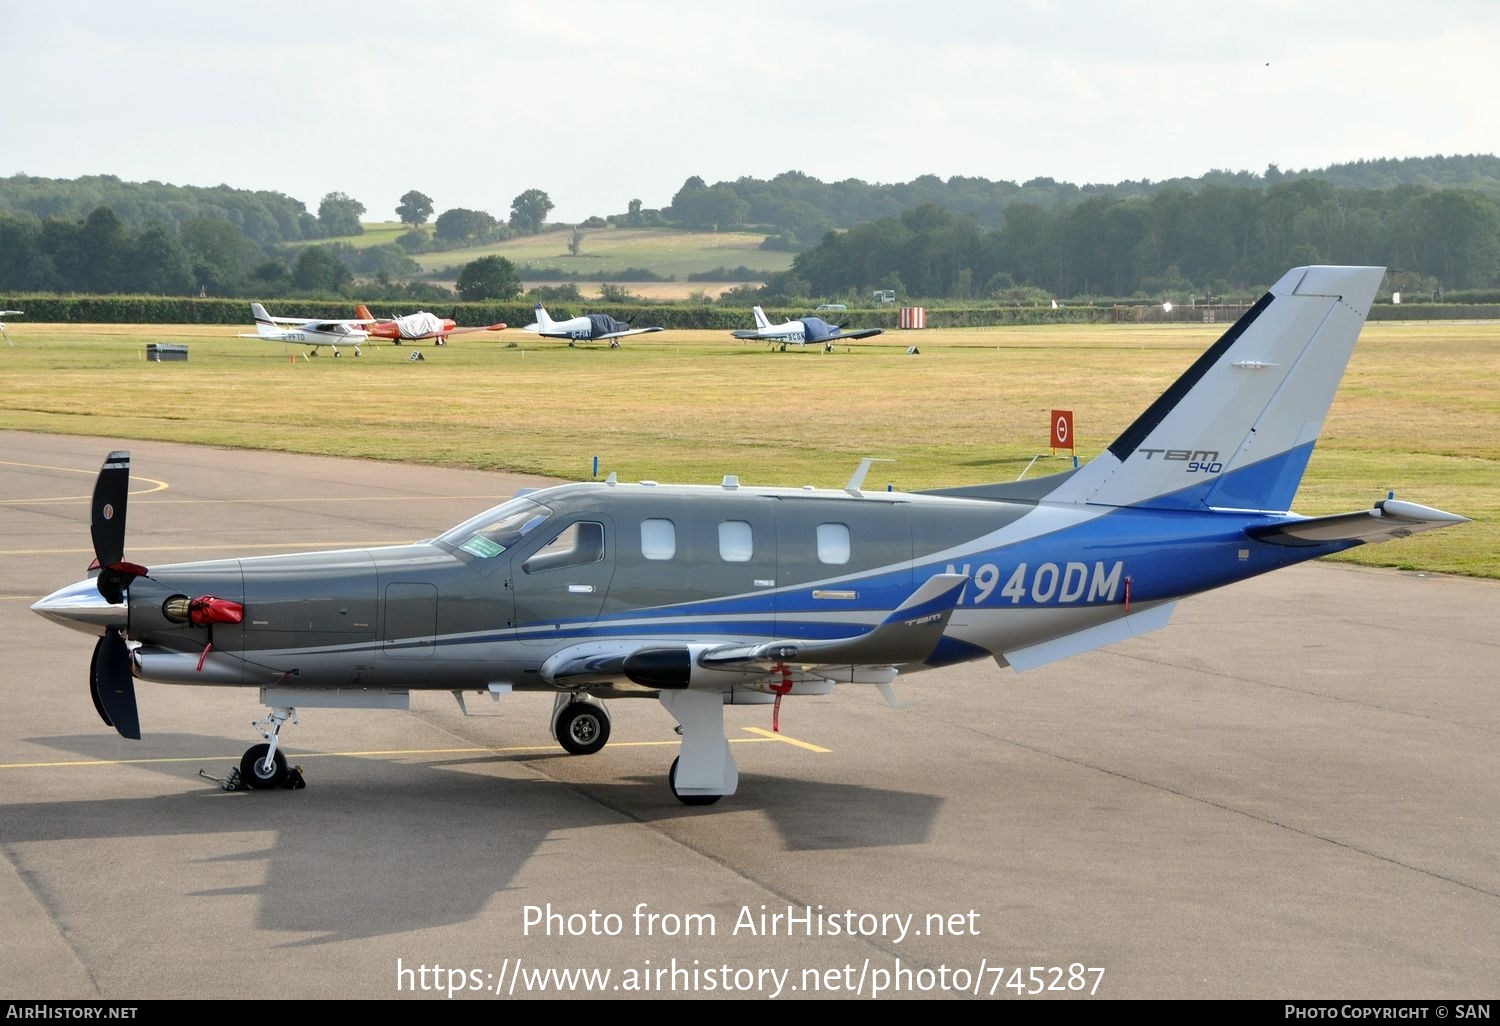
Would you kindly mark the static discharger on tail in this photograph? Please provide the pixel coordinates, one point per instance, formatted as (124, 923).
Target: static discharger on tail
(700, 597)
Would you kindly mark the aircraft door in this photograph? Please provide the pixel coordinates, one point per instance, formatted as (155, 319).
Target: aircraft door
(560, 582)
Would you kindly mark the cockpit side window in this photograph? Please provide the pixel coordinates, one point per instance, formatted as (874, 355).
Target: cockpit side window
(574, 545)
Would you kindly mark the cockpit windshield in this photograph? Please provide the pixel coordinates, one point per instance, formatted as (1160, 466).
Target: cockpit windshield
(497, 529)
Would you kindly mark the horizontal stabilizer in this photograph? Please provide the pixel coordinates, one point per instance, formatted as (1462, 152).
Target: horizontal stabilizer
(907, 635)
(1389, 519)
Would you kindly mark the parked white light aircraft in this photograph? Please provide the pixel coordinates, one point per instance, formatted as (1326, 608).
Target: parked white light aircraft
(706, 596)
(4, 314)
(802, 331)
(595, 327)
(313, 333)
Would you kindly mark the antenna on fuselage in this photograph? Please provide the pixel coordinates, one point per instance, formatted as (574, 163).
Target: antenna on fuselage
(858, 477)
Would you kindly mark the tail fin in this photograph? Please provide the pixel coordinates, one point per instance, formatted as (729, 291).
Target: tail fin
(544, 323)
(263, 322)
(761, 320)
(363, 313)
(1235, 431)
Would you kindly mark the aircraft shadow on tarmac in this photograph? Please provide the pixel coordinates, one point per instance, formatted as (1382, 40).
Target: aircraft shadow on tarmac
(376, 846)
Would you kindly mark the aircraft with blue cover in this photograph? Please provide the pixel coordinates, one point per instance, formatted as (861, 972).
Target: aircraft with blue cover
(704, 596)
(801, 331)
(594, 327)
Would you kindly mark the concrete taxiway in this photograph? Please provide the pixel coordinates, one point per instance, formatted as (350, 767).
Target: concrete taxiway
(1290, 792)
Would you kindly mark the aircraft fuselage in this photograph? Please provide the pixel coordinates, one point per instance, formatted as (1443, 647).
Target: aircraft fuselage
(479, 606)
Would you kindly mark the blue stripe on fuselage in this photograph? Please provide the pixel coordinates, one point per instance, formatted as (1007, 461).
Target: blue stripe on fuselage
(1173, 547)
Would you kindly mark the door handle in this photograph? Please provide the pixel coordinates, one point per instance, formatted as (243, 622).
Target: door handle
(581, 589)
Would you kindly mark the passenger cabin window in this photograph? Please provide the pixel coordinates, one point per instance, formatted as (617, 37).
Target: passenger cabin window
(576, 545)
(736, 544)
(658, 539)
(833, 543)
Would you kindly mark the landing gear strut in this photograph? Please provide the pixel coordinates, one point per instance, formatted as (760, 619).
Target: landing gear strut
(263, 766)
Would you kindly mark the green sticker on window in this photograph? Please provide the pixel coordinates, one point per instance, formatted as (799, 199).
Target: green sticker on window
(482, 547)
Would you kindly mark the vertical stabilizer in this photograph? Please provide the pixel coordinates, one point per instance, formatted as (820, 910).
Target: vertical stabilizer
(1237, 428)
(263, 323)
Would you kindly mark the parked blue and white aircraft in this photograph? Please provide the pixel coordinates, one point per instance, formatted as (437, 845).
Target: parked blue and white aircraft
(595, 327)
(311, 332)
(701, 597)
(801, 332)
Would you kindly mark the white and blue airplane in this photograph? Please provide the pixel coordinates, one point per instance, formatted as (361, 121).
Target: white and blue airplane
(705, 596)
(801, 331)
(595, 327)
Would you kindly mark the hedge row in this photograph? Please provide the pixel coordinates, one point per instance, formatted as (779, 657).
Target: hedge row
(167, 310)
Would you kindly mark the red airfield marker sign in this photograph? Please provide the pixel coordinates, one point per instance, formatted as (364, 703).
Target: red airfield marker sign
(1062, 430)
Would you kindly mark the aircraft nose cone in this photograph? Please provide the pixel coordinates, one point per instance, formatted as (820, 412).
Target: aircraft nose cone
(81, 607)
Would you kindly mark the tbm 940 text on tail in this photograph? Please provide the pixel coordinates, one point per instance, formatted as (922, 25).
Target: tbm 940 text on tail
(705, 596)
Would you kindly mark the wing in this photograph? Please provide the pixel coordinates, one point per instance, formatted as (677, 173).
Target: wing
(482, 327)
(860, 333)
(909, 634)
(622, 334)
(746, 333)
(318, 323)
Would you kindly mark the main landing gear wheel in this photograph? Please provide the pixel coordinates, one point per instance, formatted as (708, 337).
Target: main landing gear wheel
(253, 768)
(582, 728)
(688, 799)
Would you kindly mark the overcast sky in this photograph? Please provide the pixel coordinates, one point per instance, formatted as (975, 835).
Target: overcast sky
(597, 102)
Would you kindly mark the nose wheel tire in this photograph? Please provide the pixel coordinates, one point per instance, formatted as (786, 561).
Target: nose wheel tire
(253, 768)
(688, 799)
(582, 728)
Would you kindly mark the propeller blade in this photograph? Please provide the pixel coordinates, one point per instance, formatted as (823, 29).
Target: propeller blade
(113, 686)
(94, 684)
(107, 526)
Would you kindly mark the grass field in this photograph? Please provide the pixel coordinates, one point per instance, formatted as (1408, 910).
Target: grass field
(674, 254)
(666, 252)
(1418, 412)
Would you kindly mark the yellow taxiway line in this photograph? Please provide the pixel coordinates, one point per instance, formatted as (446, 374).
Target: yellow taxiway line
(762, 735)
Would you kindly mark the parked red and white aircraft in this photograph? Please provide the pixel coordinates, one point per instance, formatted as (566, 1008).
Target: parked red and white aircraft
(416, 327)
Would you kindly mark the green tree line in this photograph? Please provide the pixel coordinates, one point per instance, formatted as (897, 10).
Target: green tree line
(799, 209)
(1175, 242)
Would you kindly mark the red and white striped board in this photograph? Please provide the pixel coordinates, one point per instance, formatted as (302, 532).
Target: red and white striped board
(913, 317)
